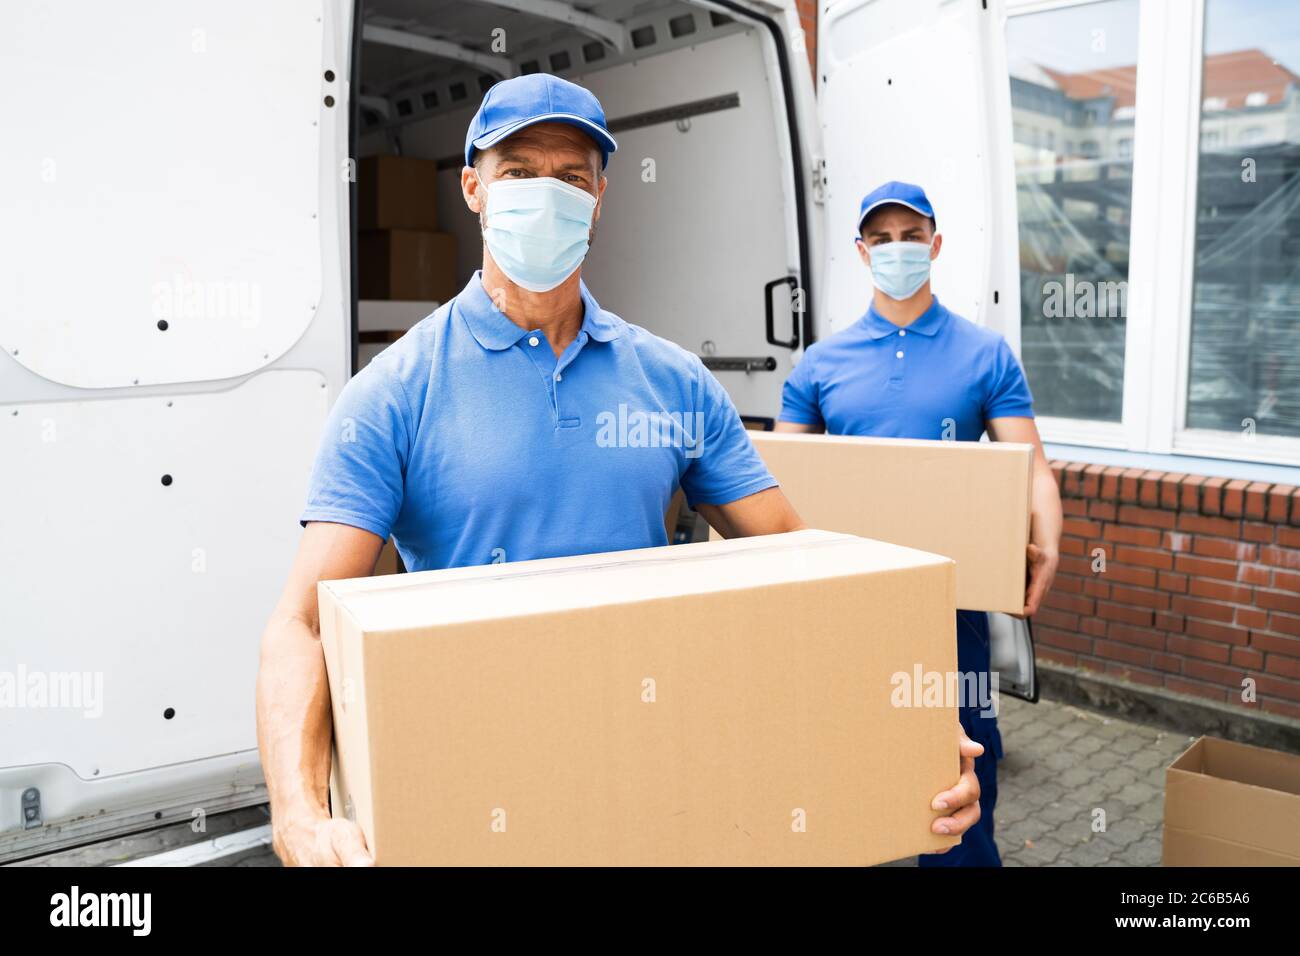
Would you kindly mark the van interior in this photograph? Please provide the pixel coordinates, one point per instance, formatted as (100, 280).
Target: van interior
(700, 233)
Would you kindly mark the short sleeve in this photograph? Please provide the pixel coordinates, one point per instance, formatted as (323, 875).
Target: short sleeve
(800, 395)
(357, 478)
(1008, 391)
(725, 466)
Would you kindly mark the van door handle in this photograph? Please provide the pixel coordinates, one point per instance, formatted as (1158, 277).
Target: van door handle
(793, 341)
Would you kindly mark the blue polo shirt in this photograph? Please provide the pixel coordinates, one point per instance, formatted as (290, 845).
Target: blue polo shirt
(471, 443)
(942, 377)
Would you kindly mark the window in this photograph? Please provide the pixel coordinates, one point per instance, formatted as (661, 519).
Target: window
(1187, 223)
(1244, 365)
(1073, 69)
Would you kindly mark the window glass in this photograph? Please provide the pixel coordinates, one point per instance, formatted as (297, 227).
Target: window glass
(1073, 83)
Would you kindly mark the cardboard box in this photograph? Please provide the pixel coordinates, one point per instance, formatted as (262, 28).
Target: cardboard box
(397, 192)
(1230, 804)
(406, 264)
(966, 500)
(715, 703)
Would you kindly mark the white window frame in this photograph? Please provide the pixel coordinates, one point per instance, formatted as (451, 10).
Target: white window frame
(1162, 244)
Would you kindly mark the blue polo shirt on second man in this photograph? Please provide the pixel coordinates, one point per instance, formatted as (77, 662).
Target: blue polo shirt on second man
(470, 442)
(941, 377)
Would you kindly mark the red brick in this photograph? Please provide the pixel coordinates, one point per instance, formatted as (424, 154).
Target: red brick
(1110, 483)
(1170, 487)
(1073, 565)
(1189, 497)
(1257, 531)
(1215, 673)
(1280, 707)
(1168, 662)
(1277, 601)
(1096, 588)
(1205, 650)
(1128, 615)
(1141, 597)
(1200, 524)
(1127, 534)
(1218, 632)
(1212, 496)
(1278, 686)
(1279, 502)
(1205, 610)
(1170, 622)
(1284, 624)
(1143, 557)
(1234, 497)
(1050, 617)
(1081, 527)
(1253, 574)
(1286, 581)
(1129, 574)
(1074, 506)
(1251, 617)
(1072, 545)
(1123, 652)
(1295, 507)
(1257, 499)
(1128, 484)
(1248, 657)
(1288, 537)
(1220, 591)
(1205, 567)
(1090, 486)
(1196, 688)
(1280, 557)
(1173, 581)
(1102, 510)
(1139, 636)
(1066, 640)
(1149, 488)
(1092, 626)
(1177, 541)
(1149, 517)
(1223, 548)
(1282, 665)
(1068, 584)
(1275, 643)
(1067, 602)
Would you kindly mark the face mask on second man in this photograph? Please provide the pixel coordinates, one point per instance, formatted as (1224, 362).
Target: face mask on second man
(538, 230)
(899, 269)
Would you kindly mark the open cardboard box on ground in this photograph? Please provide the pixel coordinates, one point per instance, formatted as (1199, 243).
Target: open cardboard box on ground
(733, 702)
(968, 501)
(1231, 804)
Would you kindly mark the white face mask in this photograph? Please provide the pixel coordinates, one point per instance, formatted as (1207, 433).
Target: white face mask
(538, 230)
(899, 269)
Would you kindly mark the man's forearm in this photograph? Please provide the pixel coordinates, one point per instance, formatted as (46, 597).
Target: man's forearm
(294, 723)
(1045, 508)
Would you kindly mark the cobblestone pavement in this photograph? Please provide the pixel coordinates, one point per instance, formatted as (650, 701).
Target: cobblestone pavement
(1062, 765)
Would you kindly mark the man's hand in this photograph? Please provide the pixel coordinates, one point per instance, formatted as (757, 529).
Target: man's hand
(963, 801)
(316, 840)
(1042, 571)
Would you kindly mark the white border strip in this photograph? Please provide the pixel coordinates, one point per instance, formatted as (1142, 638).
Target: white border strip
(227, 844)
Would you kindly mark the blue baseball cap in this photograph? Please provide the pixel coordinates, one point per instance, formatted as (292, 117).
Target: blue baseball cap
(512, 104)
(894, 193)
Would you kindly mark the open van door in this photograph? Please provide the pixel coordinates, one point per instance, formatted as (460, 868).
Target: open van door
(917, 90)
(175, 322)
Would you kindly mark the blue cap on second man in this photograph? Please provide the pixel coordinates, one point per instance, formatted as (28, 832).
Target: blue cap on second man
(896, 194)
(512, 104)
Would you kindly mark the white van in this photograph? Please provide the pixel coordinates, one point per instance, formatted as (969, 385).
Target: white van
(177, 311)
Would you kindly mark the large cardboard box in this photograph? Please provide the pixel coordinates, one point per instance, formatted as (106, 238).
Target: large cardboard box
(1231, 804)
(735, 702)
(397, 192)
(406, 264)
(966, 500)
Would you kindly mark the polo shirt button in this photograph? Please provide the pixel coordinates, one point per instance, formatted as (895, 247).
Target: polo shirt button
(532, 340)
(558, 376)
(902, 332)
(898, 354)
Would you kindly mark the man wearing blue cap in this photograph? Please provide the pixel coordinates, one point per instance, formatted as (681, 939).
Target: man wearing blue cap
(488, 434)
(909, 368)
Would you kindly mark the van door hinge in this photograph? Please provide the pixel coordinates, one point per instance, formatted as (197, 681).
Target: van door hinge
(819, 179)
(32, 809)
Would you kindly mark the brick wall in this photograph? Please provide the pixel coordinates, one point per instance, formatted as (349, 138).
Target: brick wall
(1177, 581)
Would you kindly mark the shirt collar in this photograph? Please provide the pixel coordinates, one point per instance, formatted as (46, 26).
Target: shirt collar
(927, 323)
(496, 332)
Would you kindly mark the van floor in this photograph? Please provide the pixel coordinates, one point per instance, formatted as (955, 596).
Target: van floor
(1060, 761)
